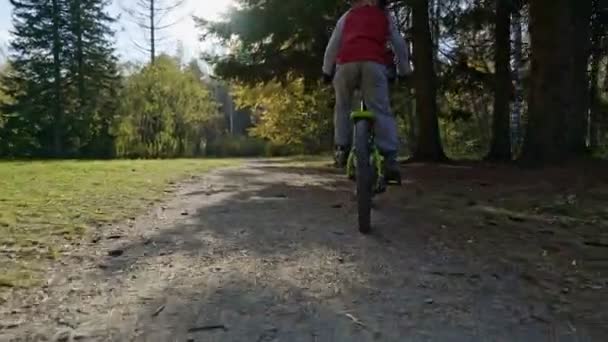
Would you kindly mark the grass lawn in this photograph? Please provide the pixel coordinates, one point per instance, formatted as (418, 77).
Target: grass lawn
(45, 205)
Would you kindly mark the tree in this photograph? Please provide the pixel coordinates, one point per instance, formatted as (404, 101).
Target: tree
(151, 16)
(63, 78)
(558, 100)
(518, 91)
(93, 74)
(164, 112)
(599, 50)
(461, 58)
(36, 82)
(501, 138)
(428, 146)
(577, 119)
(286, 113)
(273, 38)
(466, 77)
(4, 99)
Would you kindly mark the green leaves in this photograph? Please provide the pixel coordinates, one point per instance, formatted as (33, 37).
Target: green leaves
(63, 79)
(165, 112)
(287, 112)
(274, 37)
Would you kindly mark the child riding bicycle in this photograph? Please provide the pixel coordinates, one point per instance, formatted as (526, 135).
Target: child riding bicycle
(356, 58)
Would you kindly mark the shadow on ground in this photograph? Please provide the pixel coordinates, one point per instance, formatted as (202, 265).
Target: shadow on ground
(271, 253)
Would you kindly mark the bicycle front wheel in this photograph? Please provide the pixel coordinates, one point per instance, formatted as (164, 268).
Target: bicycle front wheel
(364, 174)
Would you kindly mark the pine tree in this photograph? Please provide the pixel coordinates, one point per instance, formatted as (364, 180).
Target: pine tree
(92, 74)
(63, 78)
(36, 81)
(500, 149)
(429, 145)
(269, 39)
(559, 86)
(518, 91)
(599, 50)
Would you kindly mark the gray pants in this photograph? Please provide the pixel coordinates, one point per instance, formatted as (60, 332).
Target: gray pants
(371, 78)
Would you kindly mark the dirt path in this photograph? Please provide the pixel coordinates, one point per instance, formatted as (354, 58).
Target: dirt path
(269, 252)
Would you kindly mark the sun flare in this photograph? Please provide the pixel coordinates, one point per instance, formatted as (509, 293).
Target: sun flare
(212, 9)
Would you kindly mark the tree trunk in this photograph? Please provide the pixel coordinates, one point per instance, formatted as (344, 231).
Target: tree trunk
(598, 51)
(518, 98)
(80, 54)
(152, 32)
(500, 149)
(556, 125)
(602, 119)
(58, 124)
(428, 146)
(436, 28)
(594, 117)
(84, 131)
(578, 119)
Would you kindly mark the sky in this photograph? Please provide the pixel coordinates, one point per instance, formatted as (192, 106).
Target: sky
(183, 31)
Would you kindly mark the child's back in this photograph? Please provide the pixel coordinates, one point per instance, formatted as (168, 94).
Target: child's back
(361, 35)
(358, 48)
(365, 35)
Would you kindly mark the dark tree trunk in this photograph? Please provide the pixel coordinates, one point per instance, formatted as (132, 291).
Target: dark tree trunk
(435, 20)
(578, 119)
(598, 52)
(58, 119)
(428, 146)
(152, 32)
(594, 117)
(83, 130)
(556, 121)
(518, 96)
(80, 54)
(500, 149)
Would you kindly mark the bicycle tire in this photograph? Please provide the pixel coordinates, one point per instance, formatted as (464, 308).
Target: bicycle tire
(364, 174)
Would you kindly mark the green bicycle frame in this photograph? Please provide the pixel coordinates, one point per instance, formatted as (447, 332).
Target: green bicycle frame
(376, 156)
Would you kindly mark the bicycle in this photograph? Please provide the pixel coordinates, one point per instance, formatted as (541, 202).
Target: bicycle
(366, 166)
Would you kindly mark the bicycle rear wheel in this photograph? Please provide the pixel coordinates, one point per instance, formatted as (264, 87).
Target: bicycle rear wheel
(364, 174)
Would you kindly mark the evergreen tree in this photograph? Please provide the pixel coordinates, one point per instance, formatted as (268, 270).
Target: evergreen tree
(93, 76)
(36, 81)
(274, 38)
(558, 97)
(518, 66)
(63, 79)
(500, 149)
(428, 146)
(599, 50)
(3, 116)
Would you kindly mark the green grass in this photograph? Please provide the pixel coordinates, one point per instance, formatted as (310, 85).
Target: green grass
(46, 205)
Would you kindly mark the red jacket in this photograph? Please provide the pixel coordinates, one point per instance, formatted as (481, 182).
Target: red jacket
(361, 35)
(365, 36)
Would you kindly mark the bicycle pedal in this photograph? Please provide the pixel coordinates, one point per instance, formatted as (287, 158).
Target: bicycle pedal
(394, 183)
